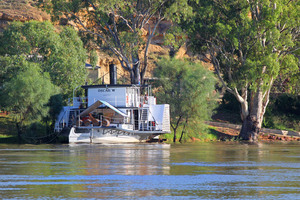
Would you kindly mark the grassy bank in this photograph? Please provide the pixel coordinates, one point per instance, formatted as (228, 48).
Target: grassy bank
(8, 131)
(7, 126)
(202, 133)
(8, 139)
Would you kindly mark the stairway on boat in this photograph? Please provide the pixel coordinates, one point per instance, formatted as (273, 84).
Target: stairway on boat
(71, 118)
(144, 119)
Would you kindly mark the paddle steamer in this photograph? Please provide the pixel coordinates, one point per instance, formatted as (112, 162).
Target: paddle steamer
(114, 113)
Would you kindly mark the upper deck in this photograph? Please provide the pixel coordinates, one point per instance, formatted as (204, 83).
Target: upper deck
(119, 95)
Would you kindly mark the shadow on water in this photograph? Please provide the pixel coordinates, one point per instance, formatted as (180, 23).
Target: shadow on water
(221, 170)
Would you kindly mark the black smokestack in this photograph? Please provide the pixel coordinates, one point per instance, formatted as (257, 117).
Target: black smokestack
(113, 74)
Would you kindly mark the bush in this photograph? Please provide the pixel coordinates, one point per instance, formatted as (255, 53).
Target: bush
(198, 131)
(189, 90)
(283, 112)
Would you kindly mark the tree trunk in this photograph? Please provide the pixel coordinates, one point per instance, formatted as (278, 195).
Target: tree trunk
(174, 138)
(172, 52)
(250, 129)
(182, 132)
(132, 77)
(253, 121)
(135, 72)
(175, 128)
(19, 132)
(181, 136)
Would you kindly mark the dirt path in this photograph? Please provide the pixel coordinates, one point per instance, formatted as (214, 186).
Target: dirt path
(226, 131)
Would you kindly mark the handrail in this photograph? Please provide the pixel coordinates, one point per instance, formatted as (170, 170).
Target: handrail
(146, 124)
(57, 124)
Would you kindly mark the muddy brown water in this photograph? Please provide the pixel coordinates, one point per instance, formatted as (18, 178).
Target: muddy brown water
(219, 170)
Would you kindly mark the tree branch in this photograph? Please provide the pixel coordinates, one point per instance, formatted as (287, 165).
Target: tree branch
(143, 71)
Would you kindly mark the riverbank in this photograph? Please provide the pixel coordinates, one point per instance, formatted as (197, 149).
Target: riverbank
(7, 125)
(218, 131)
(8, 131)
(230, 131)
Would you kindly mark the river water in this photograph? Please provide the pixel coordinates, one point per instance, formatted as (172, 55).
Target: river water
(219, 170)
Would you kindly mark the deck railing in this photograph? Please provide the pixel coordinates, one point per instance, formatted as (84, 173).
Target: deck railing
(61, 123)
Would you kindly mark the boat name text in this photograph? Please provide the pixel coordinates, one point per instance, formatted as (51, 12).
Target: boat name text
(106, 90)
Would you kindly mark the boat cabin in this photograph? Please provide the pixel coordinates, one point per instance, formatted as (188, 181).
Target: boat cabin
(116, 106)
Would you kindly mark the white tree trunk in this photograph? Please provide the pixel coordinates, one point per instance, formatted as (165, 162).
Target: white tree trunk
(252, 123)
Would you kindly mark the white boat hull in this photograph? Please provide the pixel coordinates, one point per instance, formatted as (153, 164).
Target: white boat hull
(108, 135)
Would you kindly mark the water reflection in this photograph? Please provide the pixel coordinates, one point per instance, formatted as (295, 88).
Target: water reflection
(144, 159)
(73, 170)
(153, 171)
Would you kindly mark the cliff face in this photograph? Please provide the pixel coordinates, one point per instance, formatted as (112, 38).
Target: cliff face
(25, 10)
(105, 60)
(20, 10)
(156, 49)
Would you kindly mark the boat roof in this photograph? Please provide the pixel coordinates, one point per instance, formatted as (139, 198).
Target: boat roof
(98, 103)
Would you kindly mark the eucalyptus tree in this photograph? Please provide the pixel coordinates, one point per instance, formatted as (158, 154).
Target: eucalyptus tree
(118, 25)
(189, 89)
(60, 53)
(250, 43)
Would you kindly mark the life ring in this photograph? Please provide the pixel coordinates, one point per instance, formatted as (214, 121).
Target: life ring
(96, 122)
(105, 122)
(87, 122)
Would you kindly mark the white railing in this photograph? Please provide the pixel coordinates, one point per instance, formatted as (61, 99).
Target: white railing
(148, 126)
(148, 100)
(79, 102)
(61, 123)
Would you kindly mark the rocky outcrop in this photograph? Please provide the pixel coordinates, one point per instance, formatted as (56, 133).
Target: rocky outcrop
(20, 10)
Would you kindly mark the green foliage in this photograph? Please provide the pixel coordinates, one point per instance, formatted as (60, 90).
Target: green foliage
(8, 139)
(283, 113)
(288, 104)
(7, 126)
(199, 131)
(93, 58)
(25, 96)
(60, 54)
(10, 66)
(194, 132)
(174, 38)
(230, 103)
(55, 105)
(38, 64)
(178, 10)
(246, 40)
(188, 88)
(29, 95)
(251, 44)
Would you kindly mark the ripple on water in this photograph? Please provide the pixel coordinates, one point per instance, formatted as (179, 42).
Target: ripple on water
(150, 172)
